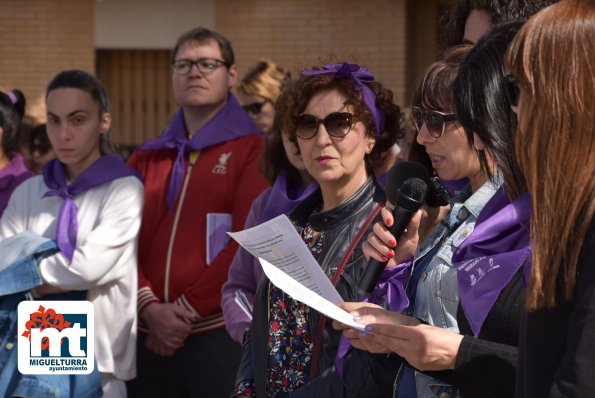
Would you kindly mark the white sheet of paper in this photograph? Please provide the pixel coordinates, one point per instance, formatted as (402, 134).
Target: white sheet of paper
(288, 263)
(307, 296)
(278, 242)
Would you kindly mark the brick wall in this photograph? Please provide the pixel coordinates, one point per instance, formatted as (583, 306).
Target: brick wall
(299, 34)
(39, 38)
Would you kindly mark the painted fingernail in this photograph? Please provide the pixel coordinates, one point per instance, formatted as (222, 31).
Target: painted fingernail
(368, 328)
(392, 243)
(384, 258)
(388, 222)
(391, 253)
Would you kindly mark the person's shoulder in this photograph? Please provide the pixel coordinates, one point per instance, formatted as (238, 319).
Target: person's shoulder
(31, 184)
(250, 139)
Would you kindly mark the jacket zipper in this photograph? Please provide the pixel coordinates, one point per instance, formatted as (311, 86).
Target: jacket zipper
(172, 238)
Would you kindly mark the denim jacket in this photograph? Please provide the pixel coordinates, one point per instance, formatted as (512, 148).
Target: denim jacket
(437, 294)
(18, 275)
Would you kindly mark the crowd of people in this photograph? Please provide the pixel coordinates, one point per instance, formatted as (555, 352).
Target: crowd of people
(490, 293)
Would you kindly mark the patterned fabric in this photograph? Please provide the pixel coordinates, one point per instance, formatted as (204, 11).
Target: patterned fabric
(313, 239)
(245, 388)
(290, 344)
(290, 338)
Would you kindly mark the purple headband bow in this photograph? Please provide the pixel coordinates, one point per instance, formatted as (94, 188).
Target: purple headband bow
(13, 97)
(361, 76)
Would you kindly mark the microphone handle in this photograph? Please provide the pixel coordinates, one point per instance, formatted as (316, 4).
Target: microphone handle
(373, 270)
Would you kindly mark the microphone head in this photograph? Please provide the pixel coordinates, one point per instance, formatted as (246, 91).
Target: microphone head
(412, 194)
(401, 172)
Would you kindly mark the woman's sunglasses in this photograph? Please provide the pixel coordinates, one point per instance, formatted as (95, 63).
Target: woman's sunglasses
(512, 91)
(434, 120)
(254, 108)
(337, 124)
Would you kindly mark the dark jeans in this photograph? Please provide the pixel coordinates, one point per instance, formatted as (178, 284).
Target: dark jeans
(205, 367)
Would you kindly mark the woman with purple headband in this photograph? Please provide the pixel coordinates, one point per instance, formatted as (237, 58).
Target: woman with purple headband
(283, 166)
(342, 120)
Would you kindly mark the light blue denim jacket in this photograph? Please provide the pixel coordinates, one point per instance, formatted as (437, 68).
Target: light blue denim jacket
(20, 255)
(437, 296)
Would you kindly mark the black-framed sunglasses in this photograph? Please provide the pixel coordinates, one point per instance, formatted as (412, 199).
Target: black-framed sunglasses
(254, 108)
(434, 120)
(337, 124)
(513, 90)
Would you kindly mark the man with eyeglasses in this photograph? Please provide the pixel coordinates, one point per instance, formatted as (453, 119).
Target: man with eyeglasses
(201, 177)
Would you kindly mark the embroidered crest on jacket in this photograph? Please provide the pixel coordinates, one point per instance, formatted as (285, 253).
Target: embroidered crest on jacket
(221, 168)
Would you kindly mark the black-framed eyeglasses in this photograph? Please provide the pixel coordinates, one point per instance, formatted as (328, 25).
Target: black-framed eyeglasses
(204, 65)
(434, 120)
(337, 124)
(513, 90)
(254, 108)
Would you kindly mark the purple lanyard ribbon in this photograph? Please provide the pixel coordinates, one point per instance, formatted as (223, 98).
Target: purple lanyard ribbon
(105, 169)
(229, 123)
(392, 286)
(361, 76)
(490, 257)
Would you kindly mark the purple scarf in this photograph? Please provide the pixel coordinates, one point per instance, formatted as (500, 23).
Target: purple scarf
(489, 258)
(105, 169)
(392, 285)
(10, 177)
(360, 75)
(284, 197)
(229, 123)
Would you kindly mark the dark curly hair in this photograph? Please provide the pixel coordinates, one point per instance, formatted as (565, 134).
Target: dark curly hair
(307, 86)
(452, 23)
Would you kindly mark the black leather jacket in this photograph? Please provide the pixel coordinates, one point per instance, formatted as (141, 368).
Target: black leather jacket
(365, 375)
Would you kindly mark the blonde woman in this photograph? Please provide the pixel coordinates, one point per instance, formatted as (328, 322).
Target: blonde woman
(258, 92)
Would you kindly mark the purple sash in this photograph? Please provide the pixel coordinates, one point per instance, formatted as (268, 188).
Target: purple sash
(105, 169)
(392, 285)
(229, 123)
(489, 258)
(284, 197)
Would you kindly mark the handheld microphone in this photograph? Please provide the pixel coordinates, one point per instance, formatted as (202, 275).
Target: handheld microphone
(406, 191)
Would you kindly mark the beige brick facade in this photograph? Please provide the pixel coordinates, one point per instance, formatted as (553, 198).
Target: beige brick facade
(299, 34)
(395, 39)
(39, 38)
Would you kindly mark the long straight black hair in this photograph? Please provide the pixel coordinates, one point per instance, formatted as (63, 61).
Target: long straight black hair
(483, 107)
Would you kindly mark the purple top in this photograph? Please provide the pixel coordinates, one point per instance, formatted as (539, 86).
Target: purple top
(10, 177)
(245, 270)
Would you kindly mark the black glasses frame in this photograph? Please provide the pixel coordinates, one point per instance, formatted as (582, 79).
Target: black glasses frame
(434, 120)
(306, 132)
(204, 65)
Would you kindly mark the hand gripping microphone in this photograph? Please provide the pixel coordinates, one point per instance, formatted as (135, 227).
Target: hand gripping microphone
(406, 191)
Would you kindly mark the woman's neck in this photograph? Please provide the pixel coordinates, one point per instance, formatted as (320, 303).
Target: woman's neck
(477, 181)
(305, 178)
(336, 192)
